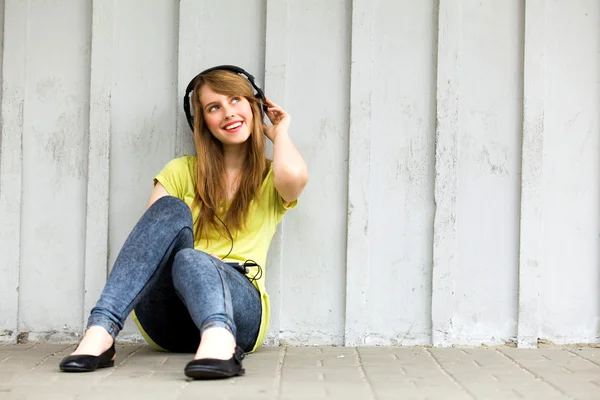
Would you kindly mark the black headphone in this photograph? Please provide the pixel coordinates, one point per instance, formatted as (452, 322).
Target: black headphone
(186, 99)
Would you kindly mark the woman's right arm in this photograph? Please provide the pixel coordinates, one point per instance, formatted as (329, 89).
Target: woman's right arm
(158, 192)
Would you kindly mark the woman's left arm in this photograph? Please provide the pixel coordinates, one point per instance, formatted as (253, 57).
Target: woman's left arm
(290, 173)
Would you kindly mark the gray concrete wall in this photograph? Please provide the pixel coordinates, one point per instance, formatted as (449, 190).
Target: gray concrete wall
(453, 146)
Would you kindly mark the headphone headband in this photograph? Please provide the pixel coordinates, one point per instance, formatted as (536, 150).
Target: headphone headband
(232, 68)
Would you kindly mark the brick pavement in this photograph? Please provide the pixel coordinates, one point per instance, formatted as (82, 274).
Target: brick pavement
(29, 371)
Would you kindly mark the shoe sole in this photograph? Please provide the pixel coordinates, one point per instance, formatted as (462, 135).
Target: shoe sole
(77, 369)
(207, 373)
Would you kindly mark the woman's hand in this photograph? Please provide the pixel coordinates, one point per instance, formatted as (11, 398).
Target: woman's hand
(279, 118)
(290, 173)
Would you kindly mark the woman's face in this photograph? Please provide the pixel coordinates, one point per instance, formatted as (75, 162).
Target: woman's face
(228, 118)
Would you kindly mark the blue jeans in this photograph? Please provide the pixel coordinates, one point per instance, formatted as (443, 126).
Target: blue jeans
(177, 292)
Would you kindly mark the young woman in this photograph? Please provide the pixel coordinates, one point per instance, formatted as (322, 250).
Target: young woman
(192, 269)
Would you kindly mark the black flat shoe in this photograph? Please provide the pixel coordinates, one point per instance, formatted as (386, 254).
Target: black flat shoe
(87, 363)
(210, 368)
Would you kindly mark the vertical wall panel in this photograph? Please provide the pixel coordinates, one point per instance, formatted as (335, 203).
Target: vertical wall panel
(14, 59)
(314, 248)
(359, 168)
(395, 277)
(55, 165)
(401, 179)
(534, 82)
(96, 233)
(445, 191)
(571, 174)
(489, 171)
(486, 161)
(276, 62)
(142, 109)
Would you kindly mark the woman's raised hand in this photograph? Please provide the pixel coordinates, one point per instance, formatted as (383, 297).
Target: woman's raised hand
(279, 118)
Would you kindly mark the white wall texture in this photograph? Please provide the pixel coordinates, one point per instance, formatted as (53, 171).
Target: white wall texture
(453, 147)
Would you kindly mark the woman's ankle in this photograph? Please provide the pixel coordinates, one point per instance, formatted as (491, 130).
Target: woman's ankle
(95, 341)
(216, 343)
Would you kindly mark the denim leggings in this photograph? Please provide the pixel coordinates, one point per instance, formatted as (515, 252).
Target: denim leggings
(177, 292)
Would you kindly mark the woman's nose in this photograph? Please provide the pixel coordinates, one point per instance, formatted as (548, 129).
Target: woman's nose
(228, 112)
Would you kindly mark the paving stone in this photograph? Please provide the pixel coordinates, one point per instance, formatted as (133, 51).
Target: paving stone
(368, 373)
(564, 370)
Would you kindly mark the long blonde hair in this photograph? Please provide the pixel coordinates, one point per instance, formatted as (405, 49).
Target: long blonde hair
(211, 192)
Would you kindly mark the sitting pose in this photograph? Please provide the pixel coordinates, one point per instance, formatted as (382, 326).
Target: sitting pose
(192, 268)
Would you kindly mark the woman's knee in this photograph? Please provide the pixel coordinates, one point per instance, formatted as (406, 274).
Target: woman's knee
(190, 257)
(170, 209)
(187, 260)
(171, 214)
(192, 271)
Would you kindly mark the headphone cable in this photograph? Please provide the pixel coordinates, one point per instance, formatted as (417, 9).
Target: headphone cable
(230, 237)
(248, 263)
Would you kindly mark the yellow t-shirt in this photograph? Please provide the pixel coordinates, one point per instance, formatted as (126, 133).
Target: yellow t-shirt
(265, 213)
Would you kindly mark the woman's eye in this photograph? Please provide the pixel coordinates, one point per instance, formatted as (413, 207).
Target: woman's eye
(212, 108)
(235, 100)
